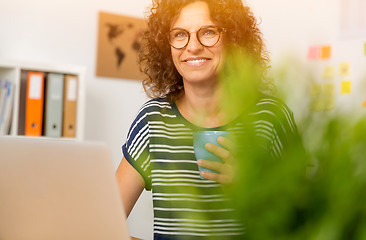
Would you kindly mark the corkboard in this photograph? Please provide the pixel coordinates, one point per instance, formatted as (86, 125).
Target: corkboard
(118, 44)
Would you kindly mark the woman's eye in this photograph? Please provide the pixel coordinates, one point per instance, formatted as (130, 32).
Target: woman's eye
(180, 34)
(209, 32)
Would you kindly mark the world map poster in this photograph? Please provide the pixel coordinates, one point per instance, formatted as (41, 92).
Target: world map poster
(118, 45)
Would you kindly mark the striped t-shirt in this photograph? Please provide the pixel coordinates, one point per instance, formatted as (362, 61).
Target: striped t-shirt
(160, 147)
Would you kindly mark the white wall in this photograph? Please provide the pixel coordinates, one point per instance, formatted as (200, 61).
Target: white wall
(65, 32)
(291, 27)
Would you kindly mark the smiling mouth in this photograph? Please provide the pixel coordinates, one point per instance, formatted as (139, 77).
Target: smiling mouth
(196, 60)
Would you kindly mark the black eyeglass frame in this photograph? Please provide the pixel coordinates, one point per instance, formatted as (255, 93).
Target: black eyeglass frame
(219, 29)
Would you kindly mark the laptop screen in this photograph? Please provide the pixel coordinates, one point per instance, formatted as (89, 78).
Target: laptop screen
(58, 189)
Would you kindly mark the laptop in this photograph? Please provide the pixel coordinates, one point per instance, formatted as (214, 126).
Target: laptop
(57, 189)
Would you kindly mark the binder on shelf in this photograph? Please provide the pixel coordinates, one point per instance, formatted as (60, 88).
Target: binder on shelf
(2, 95)
(70, 106)
(6, 109)
(34, 104)
(22, 100)
(54, 105)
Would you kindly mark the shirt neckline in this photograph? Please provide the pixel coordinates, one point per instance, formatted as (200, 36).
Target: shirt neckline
(198, 128)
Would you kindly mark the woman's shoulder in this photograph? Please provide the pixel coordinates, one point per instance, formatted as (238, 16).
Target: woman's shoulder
(155, 105)
(267, 102)
(158, 100)
(276, 111)
(151, 109)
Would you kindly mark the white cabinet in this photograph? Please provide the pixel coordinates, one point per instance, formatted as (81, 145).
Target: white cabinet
(14, 72)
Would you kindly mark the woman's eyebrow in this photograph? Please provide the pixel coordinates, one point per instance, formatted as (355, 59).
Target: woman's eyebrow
(204, 26)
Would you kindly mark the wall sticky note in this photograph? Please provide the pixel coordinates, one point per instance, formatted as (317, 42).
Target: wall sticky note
(317, 104)
(326, 52)
(344, 69)
(329, 103)
(346, 87)
(328, 72)
(329, 89)
(314, 52)
(329, 96)
(316, 89)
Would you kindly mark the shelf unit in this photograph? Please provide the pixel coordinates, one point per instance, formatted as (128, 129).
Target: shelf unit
(11, 71)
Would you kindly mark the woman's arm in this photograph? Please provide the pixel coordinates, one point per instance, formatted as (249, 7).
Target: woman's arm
(130, 184)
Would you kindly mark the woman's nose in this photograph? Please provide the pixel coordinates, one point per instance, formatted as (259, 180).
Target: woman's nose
(194, 45)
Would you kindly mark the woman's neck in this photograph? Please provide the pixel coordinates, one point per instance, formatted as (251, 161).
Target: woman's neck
(201, 106)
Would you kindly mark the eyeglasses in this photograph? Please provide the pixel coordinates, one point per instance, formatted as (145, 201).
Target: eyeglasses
(208, 36)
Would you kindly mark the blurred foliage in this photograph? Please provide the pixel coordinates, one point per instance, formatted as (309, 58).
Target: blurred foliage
(314, 195)
(317, 191)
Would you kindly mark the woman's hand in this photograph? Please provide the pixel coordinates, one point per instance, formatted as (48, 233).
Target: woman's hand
(225, 169)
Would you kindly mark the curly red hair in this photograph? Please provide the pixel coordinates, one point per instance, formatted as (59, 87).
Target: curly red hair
(155, 54)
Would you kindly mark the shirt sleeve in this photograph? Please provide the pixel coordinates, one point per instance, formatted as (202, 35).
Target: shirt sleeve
(136, 148)
(284, 129)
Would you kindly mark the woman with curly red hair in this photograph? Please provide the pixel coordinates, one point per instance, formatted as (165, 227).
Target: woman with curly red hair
(164, 79)
(183, 51)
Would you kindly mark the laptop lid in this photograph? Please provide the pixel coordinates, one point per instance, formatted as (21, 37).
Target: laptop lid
(58, 189)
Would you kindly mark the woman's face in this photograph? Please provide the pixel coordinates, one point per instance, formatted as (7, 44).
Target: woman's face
(195, 62)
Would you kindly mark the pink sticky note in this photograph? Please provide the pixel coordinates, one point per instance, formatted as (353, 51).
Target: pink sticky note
(314, 52)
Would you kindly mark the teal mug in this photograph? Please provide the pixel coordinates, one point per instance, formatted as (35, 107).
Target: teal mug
(200, 139)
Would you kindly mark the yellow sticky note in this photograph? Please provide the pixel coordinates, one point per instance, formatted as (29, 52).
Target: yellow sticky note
(346, 87)
(328, 72)
(329, 103)
(329, 96)
(317, 104)
(344, 69)
(329, 89)
(325, 52)
(316, 89)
